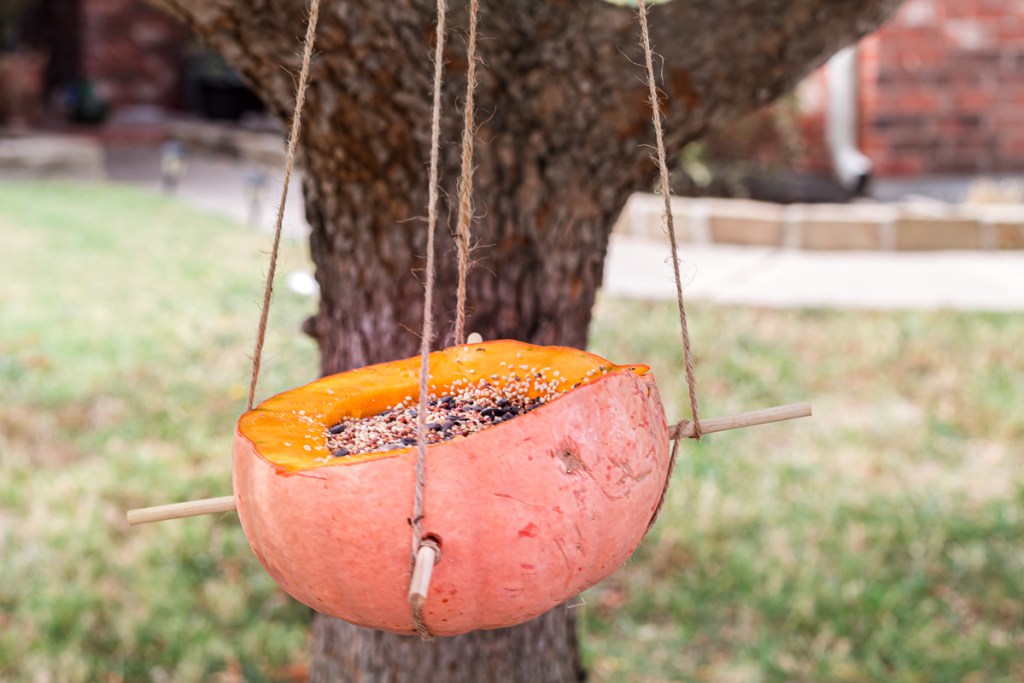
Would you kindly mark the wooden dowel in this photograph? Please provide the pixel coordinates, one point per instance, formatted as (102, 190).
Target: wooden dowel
(426, 555)
(209, 506)
(754, 417)
(191, 508)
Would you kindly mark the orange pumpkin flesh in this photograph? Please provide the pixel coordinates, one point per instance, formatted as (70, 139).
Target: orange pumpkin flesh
(528, 512)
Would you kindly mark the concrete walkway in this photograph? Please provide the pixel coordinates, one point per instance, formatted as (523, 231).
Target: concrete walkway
(639, 267)
(757, 276)
(219, 185)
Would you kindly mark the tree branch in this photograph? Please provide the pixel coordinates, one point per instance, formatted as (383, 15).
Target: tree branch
(723, 58)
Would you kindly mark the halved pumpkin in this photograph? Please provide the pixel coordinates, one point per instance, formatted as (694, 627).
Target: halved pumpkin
(528, 512)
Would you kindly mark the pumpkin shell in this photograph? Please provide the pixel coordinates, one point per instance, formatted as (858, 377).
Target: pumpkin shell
(528, 512)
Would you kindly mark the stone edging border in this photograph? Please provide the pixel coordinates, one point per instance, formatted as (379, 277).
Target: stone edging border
(918, 225)
(260, 147)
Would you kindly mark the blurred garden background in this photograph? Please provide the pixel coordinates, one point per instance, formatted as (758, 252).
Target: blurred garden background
(882, 540)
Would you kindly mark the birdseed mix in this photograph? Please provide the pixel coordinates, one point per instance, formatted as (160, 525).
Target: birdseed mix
(466, 407)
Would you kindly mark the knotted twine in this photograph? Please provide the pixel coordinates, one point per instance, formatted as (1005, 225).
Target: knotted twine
(428, 306)
(466, 179)
(668, 226)
(293, 137)
(462, 242)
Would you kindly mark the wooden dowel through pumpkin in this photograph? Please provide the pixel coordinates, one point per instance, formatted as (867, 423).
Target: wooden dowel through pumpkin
(210, 506)
(426, 555)
(749, 419)
(190, 508)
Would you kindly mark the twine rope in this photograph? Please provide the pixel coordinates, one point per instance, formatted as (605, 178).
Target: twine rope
(293, 137)
(428, 304)
(667, 222)
(466, 179)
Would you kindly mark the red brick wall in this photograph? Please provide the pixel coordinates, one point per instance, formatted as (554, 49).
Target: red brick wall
(133, 52)
(812, 105)
(942, 88)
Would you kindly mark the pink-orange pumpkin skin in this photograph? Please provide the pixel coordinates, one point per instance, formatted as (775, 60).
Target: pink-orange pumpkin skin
(528, 513)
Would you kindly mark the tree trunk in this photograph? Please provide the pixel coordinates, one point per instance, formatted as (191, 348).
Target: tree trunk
(541, 650)
(563, 142)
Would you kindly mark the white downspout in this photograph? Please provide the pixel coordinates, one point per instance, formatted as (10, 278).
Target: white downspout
(852, 167)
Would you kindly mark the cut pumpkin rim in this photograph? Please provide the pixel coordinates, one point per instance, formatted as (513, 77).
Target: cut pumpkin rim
(289, 429)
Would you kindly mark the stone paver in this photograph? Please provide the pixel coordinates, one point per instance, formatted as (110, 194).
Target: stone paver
(51, 156)
(833, 227)
(922, 234)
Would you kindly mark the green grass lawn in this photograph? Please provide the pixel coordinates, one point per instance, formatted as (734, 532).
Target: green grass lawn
(881, 541)
(126, 329)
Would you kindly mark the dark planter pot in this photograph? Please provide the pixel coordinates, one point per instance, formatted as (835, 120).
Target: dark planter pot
(224, 101)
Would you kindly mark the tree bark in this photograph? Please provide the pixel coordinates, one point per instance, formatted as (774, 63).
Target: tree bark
(564, 139)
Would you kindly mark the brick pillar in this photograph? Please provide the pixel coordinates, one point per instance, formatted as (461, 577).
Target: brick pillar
(134, 53)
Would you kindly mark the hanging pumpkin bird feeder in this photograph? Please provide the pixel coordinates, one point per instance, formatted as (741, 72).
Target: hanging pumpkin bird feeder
(524, 474)
(522, 514)
(526, 513)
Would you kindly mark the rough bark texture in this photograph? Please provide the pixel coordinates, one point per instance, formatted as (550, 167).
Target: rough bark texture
(543, 650)
(563, 142)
